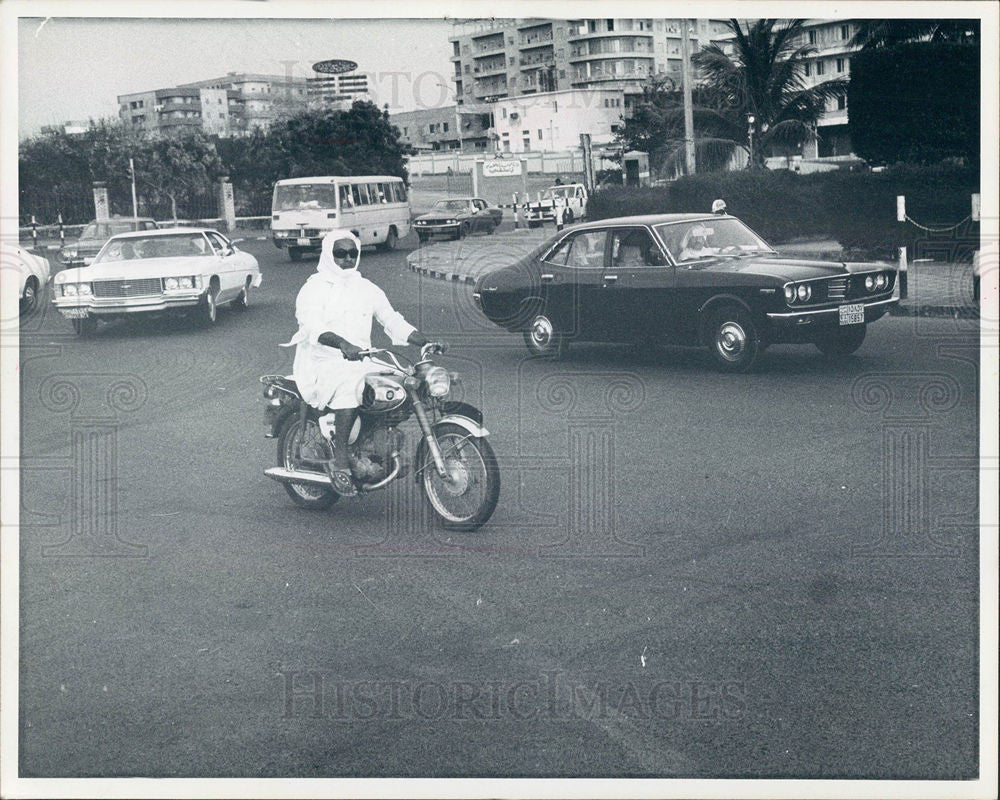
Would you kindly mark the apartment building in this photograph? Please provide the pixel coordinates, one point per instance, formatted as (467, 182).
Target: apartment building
(495, 59)
(553, 121)
(230, 105)
(463, 128)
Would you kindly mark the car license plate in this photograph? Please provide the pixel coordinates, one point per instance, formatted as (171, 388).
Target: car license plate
(303, 242)
(74, 313)
(853, 314)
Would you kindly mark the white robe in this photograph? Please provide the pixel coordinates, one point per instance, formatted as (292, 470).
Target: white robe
(342, 301)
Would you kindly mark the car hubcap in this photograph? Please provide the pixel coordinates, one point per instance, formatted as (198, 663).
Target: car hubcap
(731, 341)
(541, 332)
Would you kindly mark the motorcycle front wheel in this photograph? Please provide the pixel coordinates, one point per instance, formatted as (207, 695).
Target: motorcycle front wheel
(300, 445)
(467, 497)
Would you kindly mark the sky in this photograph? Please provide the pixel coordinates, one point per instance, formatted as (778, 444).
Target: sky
(74, 69)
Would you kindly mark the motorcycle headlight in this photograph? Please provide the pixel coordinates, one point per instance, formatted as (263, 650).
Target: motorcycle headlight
(804, 292)
(438, 381)
(790, 294)
(170, 283)
(881, 281)
(869, 283)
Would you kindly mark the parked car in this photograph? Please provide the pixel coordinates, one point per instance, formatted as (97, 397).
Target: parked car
(571, 196)
(457, 217)
(34, 272)
(683, 279)
(173, 269)
(95, 234)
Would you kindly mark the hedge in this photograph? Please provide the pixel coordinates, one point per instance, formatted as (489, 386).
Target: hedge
(857, 209)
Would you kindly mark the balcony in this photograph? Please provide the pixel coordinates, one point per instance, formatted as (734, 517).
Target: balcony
(535, 23)
(490, 69)
(540, 40)
(535, 63)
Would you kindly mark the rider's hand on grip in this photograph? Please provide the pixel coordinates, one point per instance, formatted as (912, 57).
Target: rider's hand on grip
(351, 353)
(432, 348)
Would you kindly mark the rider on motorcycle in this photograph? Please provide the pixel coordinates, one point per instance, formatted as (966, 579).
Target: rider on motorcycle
(334, 309)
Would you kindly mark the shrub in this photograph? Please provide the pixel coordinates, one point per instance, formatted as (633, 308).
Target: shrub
(858, 209)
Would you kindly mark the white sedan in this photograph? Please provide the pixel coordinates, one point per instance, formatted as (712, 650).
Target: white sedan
(174, 269)
(34, 274)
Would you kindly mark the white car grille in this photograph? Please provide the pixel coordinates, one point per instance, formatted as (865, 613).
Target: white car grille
(139, 287)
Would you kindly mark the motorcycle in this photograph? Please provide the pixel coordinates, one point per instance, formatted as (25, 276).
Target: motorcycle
(453, 463)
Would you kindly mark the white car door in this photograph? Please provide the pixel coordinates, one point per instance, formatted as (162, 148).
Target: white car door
(230, 282)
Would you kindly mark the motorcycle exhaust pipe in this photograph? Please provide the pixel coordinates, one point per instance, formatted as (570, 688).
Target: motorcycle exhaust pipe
(283, 475)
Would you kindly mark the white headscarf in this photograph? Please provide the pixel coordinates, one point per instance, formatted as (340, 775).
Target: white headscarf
(328, 269)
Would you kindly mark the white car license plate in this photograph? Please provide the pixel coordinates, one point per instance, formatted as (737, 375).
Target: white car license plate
(303, 242)
(853, 314)
(74, 313)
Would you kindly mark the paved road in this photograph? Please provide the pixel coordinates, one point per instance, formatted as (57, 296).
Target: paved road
(689, 574)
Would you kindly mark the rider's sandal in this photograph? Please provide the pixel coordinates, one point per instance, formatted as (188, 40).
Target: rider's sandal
(341, 480)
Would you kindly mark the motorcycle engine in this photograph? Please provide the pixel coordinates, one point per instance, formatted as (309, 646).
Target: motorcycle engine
(372, 456)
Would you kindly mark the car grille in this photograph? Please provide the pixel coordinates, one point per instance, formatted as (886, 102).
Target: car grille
(436, 221)
(140, 287)
(312, 233)
(836, 288)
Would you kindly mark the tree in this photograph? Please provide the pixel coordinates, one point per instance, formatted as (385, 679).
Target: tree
(764, 79)
(875, 33)
(178, 167)
(916, 102)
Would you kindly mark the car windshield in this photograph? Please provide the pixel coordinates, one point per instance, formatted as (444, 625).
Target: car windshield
(133, 247)
(710, 238)
(105, 230)
(451, 205)
(305, 196)
(557, 191)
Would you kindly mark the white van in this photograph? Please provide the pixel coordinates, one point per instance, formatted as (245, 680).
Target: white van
(374, 207)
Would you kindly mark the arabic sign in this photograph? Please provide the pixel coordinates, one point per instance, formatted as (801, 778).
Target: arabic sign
(501, 168)
(334, 66)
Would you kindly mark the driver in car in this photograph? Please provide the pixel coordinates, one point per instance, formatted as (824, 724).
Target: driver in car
(696, 245)
(334, 309)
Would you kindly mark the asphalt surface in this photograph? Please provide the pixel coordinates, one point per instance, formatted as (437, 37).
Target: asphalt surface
(688, 574)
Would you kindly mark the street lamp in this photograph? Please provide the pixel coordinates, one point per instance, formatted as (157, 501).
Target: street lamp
(750, 121)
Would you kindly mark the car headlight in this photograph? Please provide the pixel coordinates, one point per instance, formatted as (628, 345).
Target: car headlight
(438, 381)
(869, 283)
(170, 283)
(790, 294)
(84, 288)
(881, 281)
(69, 290)
(452, 221)
(67, 253)
(803, 292)
(186, 283)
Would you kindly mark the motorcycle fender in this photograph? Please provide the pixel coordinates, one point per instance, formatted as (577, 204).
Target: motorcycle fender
(473, 427)
(470, 425)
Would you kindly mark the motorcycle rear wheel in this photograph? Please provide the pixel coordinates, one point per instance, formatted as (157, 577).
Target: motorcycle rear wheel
(467, 498)
(294, 434)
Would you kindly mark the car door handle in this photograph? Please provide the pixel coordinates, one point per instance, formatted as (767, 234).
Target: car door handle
(610, 278)
(548, 277)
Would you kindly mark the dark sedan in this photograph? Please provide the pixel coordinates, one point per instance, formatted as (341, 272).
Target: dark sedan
(96, 234)
(458, 217)
(683, 279)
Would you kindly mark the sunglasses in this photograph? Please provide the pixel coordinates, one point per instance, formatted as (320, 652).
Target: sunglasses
(345, 253)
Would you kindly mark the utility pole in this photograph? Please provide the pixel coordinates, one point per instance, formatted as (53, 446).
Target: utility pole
(688, 112)
(131, 172)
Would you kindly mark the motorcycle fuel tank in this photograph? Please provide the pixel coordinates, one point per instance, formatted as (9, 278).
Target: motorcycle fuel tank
(382, 393)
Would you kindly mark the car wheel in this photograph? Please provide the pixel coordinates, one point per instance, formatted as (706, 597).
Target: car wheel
(842, 342)
(294, 253)
(733, 339)
(29, 300)
(390, 241)
(242, 302)
(543, 338)
(84, 327)
(209, 306)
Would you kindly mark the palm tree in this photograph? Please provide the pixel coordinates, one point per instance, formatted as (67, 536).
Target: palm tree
(761, 99)
(874, 33)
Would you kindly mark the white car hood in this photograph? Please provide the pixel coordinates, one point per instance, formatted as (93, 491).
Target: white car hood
(140, 268)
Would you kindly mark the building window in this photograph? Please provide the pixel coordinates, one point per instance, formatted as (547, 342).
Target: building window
(840, 65)
(841, 103)
(539, 134)
(845, 32)
(819, 68)
(445, 128)
(611, 24)
(527, 144)
(812, 37)
(504, 112)
(406, 132)
(808, 70)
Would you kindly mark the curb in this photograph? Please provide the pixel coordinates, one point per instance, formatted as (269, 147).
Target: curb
(454, 277)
